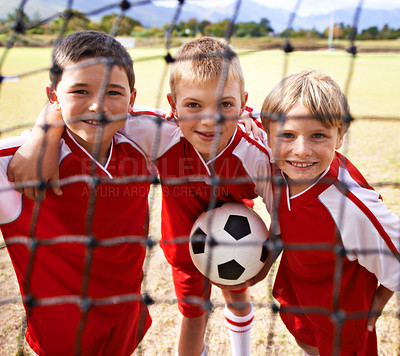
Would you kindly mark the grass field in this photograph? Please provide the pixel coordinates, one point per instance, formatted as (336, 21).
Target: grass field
(373, 145)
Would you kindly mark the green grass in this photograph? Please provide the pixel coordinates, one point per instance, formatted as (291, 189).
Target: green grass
(374, 88)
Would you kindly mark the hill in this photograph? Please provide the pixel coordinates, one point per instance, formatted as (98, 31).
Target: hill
(152, 15)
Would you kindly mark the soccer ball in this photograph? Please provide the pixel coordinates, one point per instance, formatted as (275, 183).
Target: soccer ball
(226, 244)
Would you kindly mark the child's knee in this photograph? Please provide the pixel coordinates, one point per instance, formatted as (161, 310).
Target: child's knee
(238, 302)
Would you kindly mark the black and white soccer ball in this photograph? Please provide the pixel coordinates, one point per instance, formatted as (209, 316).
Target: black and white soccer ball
(227, 243)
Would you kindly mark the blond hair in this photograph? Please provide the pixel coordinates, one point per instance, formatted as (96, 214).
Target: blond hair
(313, 89)
(204, 60)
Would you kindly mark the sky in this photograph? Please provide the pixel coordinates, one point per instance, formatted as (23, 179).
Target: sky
(306, 6)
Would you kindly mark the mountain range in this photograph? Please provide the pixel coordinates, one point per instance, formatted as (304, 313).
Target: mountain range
(152, 15)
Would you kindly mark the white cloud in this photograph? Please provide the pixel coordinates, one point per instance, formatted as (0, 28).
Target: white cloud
(323, 6)
(306, 6)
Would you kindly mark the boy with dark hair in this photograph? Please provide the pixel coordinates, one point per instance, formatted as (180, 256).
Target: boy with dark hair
(80, 285)
(207, 84)
(326, 204)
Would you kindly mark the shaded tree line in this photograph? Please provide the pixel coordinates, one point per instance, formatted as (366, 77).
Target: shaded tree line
(190, 28)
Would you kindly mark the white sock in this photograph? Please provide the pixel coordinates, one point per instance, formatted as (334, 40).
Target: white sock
(239, 330)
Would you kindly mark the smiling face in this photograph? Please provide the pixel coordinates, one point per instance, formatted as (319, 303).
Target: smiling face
(196, 108)
(303, 148)
(80, 94)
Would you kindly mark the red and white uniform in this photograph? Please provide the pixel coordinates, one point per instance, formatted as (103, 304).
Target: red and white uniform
(368, 231)
(188, 191)
(119, 210)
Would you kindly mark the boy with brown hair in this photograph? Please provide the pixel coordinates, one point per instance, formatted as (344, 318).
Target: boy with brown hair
(81, 286)
(326, 204)
(207, 98)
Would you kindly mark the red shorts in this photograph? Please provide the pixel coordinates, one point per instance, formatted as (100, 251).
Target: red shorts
(193, 290)
(121, 339)
(303, 330)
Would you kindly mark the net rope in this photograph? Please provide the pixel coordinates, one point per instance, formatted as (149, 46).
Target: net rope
(89, 240)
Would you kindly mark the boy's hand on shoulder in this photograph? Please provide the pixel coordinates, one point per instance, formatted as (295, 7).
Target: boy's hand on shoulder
(381, 297)
(169, 116)
(251, 126)
(23, 169)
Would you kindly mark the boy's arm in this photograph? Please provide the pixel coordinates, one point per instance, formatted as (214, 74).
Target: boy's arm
(37, 158)
(273, 253)
(381, 297)
(376, 230)
(250, 120)
(272, 256)
(149, 129)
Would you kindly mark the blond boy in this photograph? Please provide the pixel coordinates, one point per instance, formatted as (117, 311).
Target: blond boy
(326, 204)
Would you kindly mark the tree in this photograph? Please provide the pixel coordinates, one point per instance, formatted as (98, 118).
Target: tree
(125, 28)
(16, 19)
(387, 33)
(346, 31)
(370, 33)
(247, 29)
(337, 31)
(188, 28)
(77, 22)
(265, 25)
(217, 29)
(252, 29)
(202, 25)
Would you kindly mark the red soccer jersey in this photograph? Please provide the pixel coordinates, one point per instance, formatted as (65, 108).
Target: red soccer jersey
(103, 211)
(242, 168)
(360, 223)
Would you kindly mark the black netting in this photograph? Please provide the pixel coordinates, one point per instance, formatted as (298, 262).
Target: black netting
(153, 293)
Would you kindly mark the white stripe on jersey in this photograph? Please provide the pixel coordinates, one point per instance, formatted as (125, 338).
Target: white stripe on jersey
(358, 232)
(10, 199)
(258, 167)
(153, 139)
